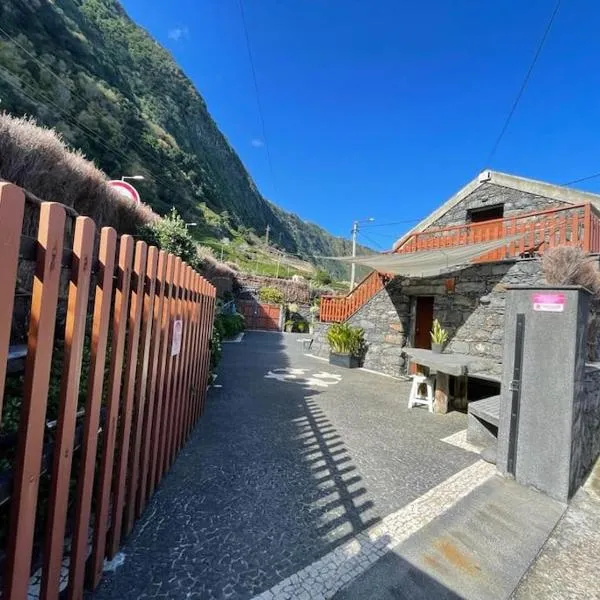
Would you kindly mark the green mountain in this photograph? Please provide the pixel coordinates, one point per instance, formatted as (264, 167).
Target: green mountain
(86, 69)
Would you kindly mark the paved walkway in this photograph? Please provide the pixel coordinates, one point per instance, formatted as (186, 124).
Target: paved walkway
(292, 462)
(567, 567)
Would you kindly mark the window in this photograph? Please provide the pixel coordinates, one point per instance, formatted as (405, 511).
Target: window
(488, 213)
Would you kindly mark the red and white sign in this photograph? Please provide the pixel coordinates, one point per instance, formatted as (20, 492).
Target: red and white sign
(125, 189)
(544, 302)
(176, 342)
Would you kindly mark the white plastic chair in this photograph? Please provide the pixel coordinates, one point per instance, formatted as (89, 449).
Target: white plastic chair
(416, 396)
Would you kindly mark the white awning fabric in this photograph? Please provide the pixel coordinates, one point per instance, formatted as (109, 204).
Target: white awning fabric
(428, 263)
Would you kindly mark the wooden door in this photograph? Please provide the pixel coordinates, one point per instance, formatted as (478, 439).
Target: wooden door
(423, 322)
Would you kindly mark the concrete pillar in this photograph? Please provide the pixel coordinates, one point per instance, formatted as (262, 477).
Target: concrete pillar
(540, 436)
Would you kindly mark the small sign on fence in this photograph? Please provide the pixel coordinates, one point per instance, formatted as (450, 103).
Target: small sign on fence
(177, 331)
(549, 302)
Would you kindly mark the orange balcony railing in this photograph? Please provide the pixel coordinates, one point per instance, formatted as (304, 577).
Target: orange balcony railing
(573, 225)
(335, 309)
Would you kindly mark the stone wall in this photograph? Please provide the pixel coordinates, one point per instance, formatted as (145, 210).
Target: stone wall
(293, 291)
(586, 426)
(473, 314)
(489, 194)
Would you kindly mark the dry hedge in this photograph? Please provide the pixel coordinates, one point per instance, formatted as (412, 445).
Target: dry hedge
(569, 265)
(36, 159)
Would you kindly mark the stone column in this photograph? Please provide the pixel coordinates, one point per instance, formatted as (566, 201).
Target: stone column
(551, 383)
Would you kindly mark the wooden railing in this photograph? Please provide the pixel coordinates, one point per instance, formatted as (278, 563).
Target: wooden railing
(152, 315)
(537, 232)
(335, 309)
(574, 225)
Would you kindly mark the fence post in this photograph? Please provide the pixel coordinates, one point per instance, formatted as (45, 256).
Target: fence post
(33, 412)
(12, 208)
(149, 441)
(79, 286)
(162, 363)
(168, 404)
(185, 358)
(197, 341)
(133, 339)
(89, 446)
(141, 409)
(119, 326)
(587, 227)
(211, 293)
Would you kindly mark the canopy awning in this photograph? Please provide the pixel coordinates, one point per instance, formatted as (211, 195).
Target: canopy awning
(428, 263)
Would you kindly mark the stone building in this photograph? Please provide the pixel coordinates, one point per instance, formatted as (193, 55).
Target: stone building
(521, 216)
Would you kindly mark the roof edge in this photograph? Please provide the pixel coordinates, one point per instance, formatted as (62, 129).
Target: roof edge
(522, 184)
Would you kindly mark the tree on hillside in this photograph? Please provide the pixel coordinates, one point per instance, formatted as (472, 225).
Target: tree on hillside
(322, 277)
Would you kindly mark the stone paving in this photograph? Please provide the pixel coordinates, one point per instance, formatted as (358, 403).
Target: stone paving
(292, 460)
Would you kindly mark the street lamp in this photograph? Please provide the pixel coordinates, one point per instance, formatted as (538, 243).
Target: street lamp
(134, 177)
(191, 224)
(355, 225)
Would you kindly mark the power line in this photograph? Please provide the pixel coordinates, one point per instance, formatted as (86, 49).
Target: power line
(370, 239)
(393, 223)
(525, 82)
(142, 151)
(47, 102)
(593, 176)
(258, 102)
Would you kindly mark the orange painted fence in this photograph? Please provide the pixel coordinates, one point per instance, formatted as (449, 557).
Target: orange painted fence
(573, 225)
(336, 309)
(151, 322)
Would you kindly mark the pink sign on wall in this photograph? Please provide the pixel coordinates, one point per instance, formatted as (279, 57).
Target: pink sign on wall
(549, 302)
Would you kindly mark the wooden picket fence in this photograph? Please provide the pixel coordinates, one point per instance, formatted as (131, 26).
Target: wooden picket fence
(151, 320)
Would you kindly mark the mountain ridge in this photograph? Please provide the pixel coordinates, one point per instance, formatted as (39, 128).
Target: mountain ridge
(85, 68)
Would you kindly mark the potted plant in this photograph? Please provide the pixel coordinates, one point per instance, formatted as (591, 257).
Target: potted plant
(289, 326)
(301, 326)
(439, 337)
(346, 345)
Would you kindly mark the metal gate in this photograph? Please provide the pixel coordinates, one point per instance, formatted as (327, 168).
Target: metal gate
(260, 316)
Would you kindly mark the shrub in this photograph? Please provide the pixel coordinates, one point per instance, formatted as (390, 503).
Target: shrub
(270, 295)
(229, 325)
(322, 277)
(345, 339)
(568, 265)
(172, 235)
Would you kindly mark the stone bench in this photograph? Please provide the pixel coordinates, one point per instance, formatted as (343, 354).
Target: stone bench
(483, 419)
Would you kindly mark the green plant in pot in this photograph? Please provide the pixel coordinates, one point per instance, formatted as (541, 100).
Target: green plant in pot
(439, 337)
(289, 326)
(346, 345)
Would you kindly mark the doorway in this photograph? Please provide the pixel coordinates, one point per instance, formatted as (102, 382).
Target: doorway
(423, 321)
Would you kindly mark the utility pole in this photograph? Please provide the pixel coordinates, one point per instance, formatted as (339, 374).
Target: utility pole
(354, 234)
(353, 266)
(267, 236)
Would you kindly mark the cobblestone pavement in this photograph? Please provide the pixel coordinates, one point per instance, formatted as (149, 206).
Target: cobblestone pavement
(292, 459)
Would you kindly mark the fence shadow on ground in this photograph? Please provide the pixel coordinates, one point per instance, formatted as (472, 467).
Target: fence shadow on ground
(265, 487)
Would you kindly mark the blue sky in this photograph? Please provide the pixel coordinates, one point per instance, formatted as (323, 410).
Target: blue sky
(385, 108)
